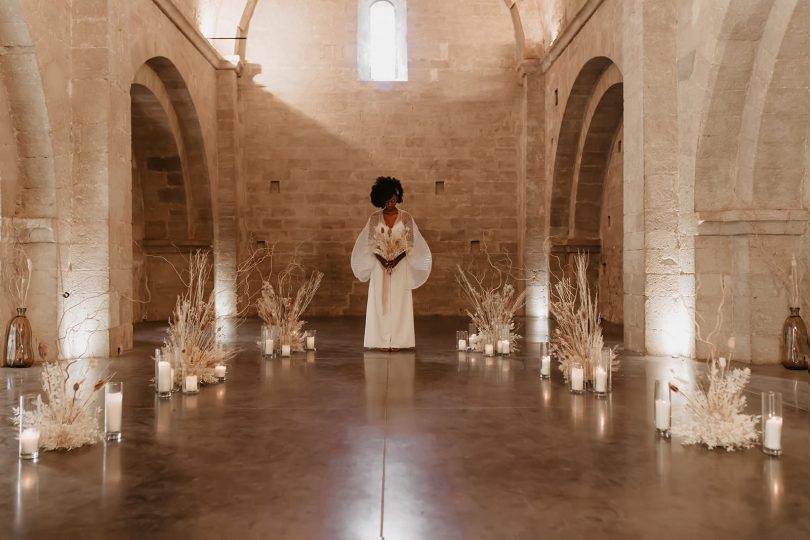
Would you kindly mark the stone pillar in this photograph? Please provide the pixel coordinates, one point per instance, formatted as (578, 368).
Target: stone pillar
(656, 280)
(29, 187)
(86, 263)
(224, 200)
(532, 226)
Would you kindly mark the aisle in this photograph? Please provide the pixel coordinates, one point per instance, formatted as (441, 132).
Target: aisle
(347, 444)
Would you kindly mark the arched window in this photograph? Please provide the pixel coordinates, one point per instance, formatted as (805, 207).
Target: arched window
(381, 40)
(382, 20)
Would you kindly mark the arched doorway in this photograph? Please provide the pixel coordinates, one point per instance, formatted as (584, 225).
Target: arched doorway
(586, 211)
(171, 197)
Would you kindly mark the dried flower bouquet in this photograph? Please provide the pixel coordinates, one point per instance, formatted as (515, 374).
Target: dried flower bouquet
(390, 243)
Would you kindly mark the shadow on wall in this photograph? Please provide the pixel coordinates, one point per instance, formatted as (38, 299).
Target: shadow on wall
(307, 181)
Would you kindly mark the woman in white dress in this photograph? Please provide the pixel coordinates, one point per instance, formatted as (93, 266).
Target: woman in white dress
(393, 257)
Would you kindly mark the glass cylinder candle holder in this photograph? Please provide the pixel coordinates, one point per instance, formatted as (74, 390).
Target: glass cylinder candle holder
(29, 429)
(772, 423)
(545, 360)
(113, 407)
(163, 376)
(504, 339)
(576, 378)
(220, 371)
(662, 411)
(594, 355)
(602, 378)
(267, 341)
(191, 385)
(462, 341)
(309, 339)
(489, 349)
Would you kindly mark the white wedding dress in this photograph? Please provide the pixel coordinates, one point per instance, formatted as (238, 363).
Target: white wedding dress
(389, 310)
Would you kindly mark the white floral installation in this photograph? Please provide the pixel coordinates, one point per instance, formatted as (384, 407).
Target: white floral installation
(284, 300)
(493, 299)
(68, 418)
(714, 407)
(191, 343)
(578, 329)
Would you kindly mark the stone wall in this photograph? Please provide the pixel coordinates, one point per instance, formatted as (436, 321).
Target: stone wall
(611, 228)
(315, 138)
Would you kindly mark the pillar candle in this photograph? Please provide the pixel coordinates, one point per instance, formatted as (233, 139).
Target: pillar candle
(310, 343)
(505, 346)
(219, 371)
(285, 350)
(489, 349)
(191, 383)
(662, 414)
(29, 441)
(113, 404)
(164, 377)
(268, 347)
(772, 438)
(462, 344)
(601, 380)
(545, 365)
(577, 379)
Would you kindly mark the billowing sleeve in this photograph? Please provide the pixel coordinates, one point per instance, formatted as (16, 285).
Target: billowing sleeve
(362, 258)
(419, 259)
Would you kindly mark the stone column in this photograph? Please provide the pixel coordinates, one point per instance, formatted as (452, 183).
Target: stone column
(656, 279)
(532, 227)
(224, 200)
(86, 236)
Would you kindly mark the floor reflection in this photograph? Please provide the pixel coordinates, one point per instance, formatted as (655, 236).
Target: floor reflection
(389, 379)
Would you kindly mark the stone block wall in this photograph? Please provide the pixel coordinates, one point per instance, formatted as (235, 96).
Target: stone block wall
(315, 138)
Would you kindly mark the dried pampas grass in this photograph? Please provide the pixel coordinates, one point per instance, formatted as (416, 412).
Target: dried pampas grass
(283, 303)
(191, 342)
(493, 298)
(579, 326)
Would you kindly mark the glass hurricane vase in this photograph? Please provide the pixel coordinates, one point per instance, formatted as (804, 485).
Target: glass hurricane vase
(794, 348)
(18, 350)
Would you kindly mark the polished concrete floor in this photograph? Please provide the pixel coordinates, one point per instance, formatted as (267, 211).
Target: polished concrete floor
(346, 444)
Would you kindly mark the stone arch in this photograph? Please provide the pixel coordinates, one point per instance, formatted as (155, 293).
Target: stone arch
(27, 168)
(568, 145)
(751, 169)
(170, 179)
(603, 117)
(34, 191)
(588, 157)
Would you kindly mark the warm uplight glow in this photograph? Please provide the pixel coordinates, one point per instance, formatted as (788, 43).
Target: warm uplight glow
(670, 326)
(383, 41)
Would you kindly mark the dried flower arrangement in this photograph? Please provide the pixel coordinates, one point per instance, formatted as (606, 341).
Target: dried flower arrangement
(715, 406)
(191, 342)
(493, 297)
(15, 268)
(579, 326)
(283, 304)
(69, 417)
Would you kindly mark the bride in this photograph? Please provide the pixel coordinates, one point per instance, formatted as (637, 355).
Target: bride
(393, 256)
